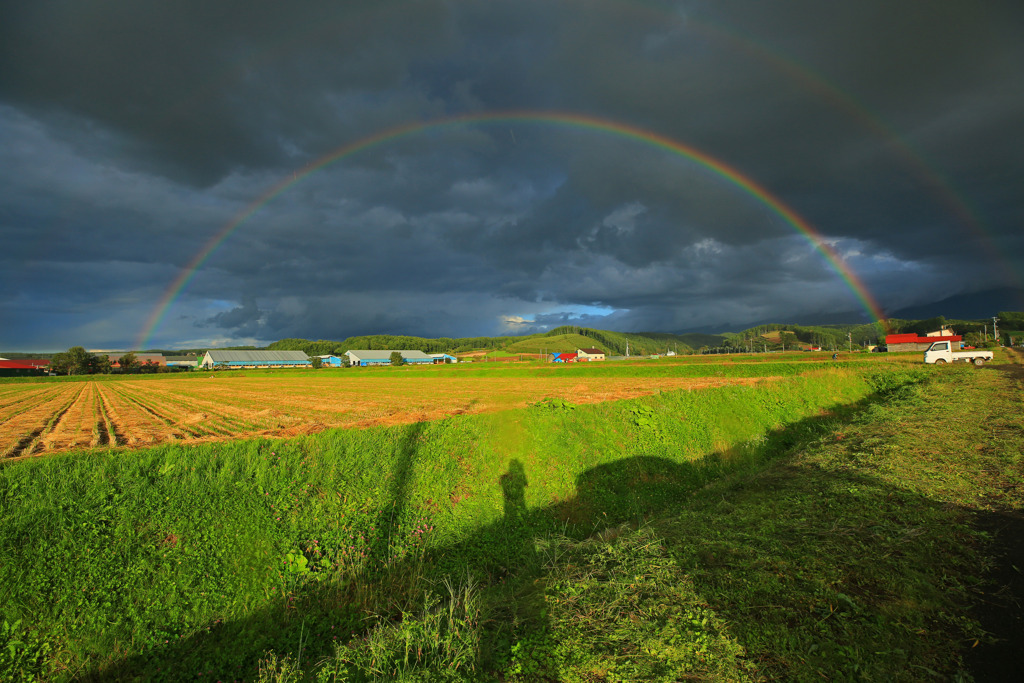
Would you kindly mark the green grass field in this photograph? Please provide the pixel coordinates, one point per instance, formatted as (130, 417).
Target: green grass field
(817, 526)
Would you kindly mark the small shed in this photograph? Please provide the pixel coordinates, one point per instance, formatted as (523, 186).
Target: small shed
(564, 358)
(332, 361)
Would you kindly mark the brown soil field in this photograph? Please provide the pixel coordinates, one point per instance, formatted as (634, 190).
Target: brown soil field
(47, 418)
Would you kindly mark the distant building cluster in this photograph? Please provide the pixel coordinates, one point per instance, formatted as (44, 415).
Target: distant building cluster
(580, 356)
(241, 360)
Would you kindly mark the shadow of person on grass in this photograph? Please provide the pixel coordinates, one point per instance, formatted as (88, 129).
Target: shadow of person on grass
(316, 617)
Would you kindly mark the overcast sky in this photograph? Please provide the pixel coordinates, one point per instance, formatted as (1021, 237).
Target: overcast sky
(132, 134)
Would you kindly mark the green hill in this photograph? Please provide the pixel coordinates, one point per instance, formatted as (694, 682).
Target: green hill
(549, 344)
(559, 339)
(696, 340)
(614, 343)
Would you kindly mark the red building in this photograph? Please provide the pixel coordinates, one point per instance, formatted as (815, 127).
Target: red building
(913, 342)
(24, 366)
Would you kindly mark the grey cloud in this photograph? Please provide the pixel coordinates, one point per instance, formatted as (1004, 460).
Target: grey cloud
(136, 134)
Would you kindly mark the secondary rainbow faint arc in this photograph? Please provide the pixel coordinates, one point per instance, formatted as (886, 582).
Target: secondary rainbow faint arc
(557, 118)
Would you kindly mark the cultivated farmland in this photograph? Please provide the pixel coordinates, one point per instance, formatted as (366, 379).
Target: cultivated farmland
(52, 417)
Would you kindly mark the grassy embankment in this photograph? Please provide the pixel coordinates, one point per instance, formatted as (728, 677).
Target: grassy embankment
(779, 530)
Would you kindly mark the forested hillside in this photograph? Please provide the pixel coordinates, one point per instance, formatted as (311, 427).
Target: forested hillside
(613, 343)
(770, 337)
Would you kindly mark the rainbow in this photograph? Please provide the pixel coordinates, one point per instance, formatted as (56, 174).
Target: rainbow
(573, 120)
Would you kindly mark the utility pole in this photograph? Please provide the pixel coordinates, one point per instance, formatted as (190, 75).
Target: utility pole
(849, 340)
(995, 329)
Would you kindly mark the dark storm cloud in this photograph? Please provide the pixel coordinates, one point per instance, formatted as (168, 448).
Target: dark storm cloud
(134, 133)
(201, 87)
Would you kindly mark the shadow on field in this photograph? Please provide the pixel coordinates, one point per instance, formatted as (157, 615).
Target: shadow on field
(315, 617)
(318, 616)
(1001, 609)
(390, 516)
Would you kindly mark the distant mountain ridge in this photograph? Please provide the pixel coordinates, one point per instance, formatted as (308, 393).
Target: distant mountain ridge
(975, 306)
(568, 338)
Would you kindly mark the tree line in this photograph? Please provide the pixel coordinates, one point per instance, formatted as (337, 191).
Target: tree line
(381, 342)
(78, 361)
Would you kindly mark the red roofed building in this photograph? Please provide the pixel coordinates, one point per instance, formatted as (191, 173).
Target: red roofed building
(912, 342)
(24, 366)
(565, 358)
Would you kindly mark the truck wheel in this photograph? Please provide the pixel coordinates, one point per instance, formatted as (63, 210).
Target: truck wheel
(979, 361)
(940, 361)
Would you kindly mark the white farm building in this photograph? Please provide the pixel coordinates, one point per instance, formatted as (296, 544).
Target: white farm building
(238, 360)
(383, 357)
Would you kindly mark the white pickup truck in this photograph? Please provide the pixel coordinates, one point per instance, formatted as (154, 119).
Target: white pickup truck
(939, 352)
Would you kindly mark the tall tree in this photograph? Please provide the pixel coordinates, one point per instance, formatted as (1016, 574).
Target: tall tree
(79, 361)
(61, 363)
(99, 364)
(129, 362)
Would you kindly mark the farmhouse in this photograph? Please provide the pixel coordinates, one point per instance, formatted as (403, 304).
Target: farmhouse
(589, 355)
(383, 357)
(237, 360)
(912, 342)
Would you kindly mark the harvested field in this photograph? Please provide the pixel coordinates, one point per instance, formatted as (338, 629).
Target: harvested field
(47, 418)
